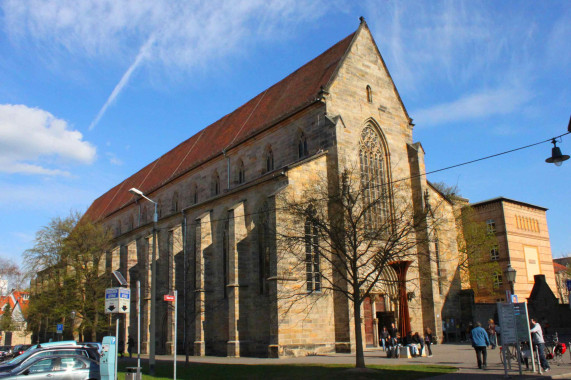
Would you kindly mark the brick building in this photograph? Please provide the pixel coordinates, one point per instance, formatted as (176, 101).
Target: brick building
(523, 242)
(216, 195)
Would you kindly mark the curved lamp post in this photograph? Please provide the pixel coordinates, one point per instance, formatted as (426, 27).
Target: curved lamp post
(139, 193)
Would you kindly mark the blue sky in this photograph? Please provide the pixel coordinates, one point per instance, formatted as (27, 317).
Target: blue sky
(92, 91)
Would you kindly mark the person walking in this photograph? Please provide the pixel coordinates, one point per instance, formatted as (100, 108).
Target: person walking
(539, 343)
(130, 345)
(121, 348)
(393, 330)
(480, 342)
(492, 334)
(428, 340)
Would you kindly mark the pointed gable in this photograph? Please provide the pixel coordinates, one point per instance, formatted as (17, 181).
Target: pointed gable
(290, 95)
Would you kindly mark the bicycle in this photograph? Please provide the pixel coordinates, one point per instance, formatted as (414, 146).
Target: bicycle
(511, 354)
(554, 350)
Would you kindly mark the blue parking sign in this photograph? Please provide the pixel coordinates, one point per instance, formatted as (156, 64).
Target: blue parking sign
(60, 328)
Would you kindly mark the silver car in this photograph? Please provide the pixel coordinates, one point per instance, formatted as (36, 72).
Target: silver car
(60, 367)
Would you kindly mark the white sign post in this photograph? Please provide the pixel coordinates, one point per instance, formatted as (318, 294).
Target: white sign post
(117, 300)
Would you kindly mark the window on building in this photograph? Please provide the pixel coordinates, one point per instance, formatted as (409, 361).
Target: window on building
(269, 160)
(438, 265)
(225, 256)
(144, 215)
(264, 248)
(215, 183)
(369, 94)
(241, 172)
(302, 145)
(194, 194)
(118, 228)
(312, 269)
(491, 226)
(497, 280)
(373, 177)
(174, 202)
(495, 253)
(160, 208)
(131, 223)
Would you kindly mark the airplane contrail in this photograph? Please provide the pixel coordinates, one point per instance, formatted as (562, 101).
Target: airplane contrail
(143, 52)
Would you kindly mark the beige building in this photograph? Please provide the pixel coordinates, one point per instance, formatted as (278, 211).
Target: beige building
(217, 197)
(523, 241)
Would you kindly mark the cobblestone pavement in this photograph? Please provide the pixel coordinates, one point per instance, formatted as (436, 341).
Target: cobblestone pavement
(456, 355)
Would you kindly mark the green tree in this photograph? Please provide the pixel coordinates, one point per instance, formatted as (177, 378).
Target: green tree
(6, 322)
(68, 261)
(475, 247)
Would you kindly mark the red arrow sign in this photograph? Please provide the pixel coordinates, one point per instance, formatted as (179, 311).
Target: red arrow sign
(169, 297)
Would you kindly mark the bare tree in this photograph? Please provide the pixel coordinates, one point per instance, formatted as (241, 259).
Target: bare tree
(343, 236)
(11, 272)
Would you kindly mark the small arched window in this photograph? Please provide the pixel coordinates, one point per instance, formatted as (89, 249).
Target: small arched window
(369, 94)
(301, 146)
(241, 172)
(269, 160)
(131, 223)
(160, 208)
(174, 202)
(194, 194)
(144, 215)
(215, 183)
(118, 228)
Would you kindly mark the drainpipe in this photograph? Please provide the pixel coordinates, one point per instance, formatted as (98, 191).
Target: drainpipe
(228, 167)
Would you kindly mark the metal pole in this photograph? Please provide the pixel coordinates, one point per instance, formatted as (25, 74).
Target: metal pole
(116, 342)
(174, 343)
(138, 326)
(153, 295)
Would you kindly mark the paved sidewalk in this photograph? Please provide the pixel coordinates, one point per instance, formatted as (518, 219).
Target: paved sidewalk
(461, 356)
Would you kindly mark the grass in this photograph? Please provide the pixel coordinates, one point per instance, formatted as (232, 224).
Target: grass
(297, 372)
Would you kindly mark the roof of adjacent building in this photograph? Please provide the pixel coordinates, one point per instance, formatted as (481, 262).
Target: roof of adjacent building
(287, 97)
(558, 267)
(565, 261)
(15, 298)
(504, 199)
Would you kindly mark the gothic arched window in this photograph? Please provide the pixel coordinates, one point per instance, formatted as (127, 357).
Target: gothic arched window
(215, 183)
(144, 215)
(269, 158)
(241, 171)
(369, 94)
(301, 145)
(374, 184)
(194, 194)
(263, 248)
(312, 269)
(174, 203)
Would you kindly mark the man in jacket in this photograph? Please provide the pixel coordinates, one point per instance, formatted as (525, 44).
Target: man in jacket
(537, 338)
(480, 341)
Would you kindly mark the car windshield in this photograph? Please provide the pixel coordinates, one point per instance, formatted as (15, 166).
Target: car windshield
(20, 358)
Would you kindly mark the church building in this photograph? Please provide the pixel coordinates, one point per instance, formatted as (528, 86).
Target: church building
(216, 202)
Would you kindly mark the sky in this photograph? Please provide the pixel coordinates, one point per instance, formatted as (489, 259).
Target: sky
(92, 91)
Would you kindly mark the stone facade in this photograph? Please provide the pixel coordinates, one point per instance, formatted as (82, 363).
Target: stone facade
(215, 215)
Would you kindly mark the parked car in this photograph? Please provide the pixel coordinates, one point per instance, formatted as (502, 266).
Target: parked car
(69, 367)
(5, 351)
(95, 345)
(19, 349)
(49, 349)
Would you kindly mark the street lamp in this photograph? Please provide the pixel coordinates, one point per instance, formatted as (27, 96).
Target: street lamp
(510, 277)
(153, 281)
(557, 157)
(72, 324)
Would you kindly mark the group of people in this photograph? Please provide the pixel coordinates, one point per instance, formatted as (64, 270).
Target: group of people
(130, 347)
(481, 339)
(390, 337)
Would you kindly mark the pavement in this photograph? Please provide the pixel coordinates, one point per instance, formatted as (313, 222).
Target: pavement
(459, 355)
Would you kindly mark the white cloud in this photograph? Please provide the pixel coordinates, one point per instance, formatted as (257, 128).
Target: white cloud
(30, 134)
(473, 106)
(113, 160)
(179, 35)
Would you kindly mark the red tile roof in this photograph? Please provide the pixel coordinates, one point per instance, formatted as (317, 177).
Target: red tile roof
(291, 94)
(559, 268)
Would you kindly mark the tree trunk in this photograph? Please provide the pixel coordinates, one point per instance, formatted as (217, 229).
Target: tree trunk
(359, 353)
(94, 329)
